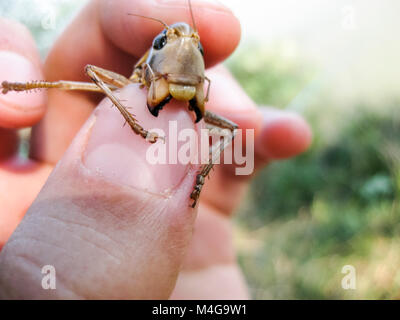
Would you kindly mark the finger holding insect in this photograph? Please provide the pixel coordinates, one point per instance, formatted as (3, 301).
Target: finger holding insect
(184, 77)
(218, 28)
(19, 61)
(108, 37)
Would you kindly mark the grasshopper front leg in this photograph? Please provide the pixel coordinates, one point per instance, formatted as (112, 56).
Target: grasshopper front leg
(100, 77)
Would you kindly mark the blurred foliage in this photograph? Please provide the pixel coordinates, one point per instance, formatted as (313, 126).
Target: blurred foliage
(335, 205)
(268, 78)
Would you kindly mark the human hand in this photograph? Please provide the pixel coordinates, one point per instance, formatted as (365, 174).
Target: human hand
(102, 218)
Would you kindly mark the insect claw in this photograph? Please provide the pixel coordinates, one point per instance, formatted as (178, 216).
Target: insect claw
(153, 137)
(193, 205)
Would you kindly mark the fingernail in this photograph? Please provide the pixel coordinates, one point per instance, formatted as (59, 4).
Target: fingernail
(116, 153)
(16, 68)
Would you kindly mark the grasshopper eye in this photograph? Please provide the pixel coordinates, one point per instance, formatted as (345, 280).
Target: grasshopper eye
(160, 41)
(201, 49)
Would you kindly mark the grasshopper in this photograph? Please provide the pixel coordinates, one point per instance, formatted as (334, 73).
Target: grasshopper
(172, 68)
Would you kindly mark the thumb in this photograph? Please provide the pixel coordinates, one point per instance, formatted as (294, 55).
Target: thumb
(112, 224)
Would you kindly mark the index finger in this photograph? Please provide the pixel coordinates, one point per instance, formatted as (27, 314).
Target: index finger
(218, 28)
(105, 35)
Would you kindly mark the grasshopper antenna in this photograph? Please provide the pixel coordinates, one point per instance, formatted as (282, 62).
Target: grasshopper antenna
(191, 13)
(154, 19)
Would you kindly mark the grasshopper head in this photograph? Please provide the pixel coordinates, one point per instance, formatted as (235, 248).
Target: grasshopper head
(175, 69)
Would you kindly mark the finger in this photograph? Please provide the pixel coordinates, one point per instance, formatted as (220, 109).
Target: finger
(228, 99)
(218, 28)
(211, 259)
(8, 143)
(19, 61)
(106, 209)
(17, 175)
(105, 35)
(279, 134)
(284, 134)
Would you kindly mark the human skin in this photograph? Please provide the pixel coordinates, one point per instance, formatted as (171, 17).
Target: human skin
(100, 216)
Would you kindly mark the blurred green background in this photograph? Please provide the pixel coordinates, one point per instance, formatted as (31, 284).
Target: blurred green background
(337, 204)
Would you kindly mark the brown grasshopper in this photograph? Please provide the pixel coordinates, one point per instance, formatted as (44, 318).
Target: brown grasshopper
(172, 68)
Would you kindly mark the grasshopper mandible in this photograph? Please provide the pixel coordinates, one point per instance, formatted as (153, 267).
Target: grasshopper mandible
(172, 68)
